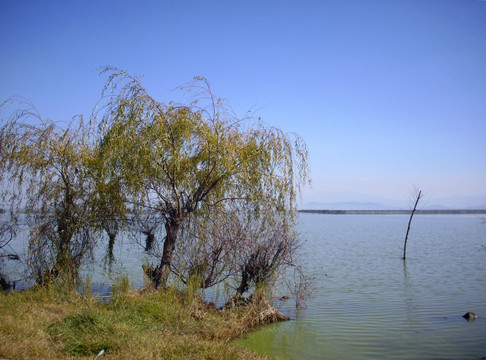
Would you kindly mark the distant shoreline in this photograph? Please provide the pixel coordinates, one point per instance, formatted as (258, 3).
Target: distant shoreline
(395, 212)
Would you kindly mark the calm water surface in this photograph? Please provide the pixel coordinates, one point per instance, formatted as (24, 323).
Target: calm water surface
(370, 304)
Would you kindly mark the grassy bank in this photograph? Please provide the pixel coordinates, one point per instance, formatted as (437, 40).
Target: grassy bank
(48, 323)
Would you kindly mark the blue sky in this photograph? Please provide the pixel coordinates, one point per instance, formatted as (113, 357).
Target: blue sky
(388, 94)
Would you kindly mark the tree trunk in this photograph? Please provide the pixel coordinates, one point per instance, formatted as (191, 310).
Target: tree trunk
(161, 273)
(63, 264)
(417, 199)
(243, 284)
(149, 239)
(111, 245)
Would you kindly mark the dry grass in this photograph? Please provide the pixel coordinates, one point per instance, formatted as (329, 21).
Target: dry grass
(47, 323)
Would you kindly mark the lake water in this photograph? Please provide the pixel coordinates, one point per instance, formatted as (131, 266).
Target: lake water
(370, 304)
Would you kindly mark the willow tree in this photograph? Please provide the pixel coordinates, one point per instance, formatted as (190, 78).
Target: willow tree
(235, 246)
(180, 160)
(45, 171)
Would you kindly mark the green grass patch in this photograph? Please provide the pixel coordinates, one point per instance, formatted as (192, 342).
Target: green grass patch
(54, 324)
(84, 333)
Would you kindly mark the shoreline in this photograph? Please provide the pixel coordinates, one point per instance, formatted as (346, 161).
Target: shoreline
(56, 323)
(394, 212)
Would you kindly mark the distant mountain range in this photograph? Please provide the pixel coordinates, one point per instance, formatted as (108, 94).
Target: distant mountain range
(349, 206)
(450, 203)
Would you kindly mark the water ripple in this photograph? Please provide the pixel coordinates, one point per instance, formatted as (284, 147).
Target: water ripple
(373, 305)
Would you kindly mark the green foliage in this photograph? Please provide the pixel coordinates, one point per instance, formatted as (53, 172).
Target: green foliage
(189, 162)
(46, 167)
(223, 188)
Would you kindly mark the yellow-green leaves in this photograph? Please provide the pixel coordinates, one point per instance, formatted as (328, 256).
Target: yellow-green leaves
(49, 171)
(191, 160)
(182, 163)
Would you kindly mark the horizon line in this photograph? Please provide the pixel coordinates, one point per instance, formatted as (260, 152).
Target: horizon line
(395, 212)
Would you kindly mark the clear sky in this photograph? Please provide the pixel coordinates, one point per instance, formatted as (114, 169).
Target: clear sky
(388, 94)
